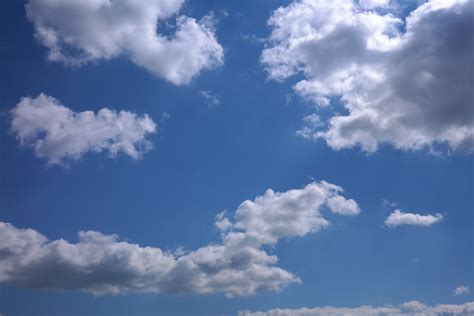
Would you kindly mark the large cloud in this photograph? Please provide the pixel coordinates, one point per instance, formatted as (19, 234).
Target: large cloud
(59, 135)
(397, 218)
(406, 83)
(413, 308)
(237, 265)
(80, 31)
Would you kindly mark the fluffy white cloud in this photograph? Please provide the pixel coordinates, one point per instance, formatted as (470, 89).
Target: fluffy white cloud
(340, 205)
(59, 135)
(412, 308)
(268, 219)
(406, 83)
(397, 218)
(237, 265)
(461, 290)
(76, 32)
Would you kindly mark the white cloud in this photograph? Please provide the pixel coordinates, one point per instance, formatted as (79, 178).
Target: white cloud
(461, 290)
(222, 222)
(412, 308)
(59, 135)
(253, 39)
(397, 218)
(372, 4)
(165, 116)
(411, 88)
(76, 32)
(237, 265)
(211, 99)
(293, 213)
(387, 203)
(340, 205)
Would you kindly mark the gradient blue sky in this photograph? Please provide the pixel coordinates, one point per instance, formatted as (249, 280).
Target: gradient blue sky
(207, 159)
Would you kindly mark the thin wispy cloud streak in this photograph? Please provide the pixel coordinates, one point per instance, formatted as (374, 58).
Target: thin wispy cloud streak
(211, 99)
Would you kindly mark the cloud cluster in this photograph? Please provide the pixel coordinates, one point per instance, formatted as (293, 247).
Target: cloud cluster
(237, 265)
(59, 135)
(412, 308)
(403, 82)
(397, 218)
(76, 32)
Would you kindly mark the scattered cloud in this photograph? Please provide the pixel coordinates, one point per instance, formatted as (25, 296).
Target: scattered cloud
(289, 98)
(388, 204)
(60, 135)
(165, 116)
(211, 99)
(373, 4)
(407, 82)
(413, 308)
(312, 122)
(253, 39)
(461, 290)
(77, 32)
(397, 218)
(237, 265)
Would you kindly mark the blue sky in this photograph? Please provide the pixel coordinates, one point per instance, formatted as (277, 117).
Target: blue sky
(205, 159)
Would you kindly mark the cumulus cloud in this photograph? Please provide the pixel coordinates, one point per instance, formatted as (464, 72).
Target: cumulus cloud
(412, 308)
(237, 265)
(60, 135)
(402, 82)
(461, 290)
(77, 32)
(397, 218)
(267, 218)
(340, 205)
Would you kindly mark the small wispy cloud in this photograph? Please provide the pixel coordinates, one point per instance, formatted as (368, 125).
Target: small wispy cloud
(212, 100)
(165, 116)
(312, 124)
(462, 290)
(388, 204)
(253, 39)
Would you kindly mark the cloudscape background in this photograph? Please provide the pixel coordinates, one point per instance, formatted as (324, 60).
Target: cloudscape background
(172, 157)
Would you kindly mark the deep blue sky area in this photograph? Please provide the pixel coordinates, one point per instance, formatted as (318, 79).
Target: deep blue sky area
(205, 160)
